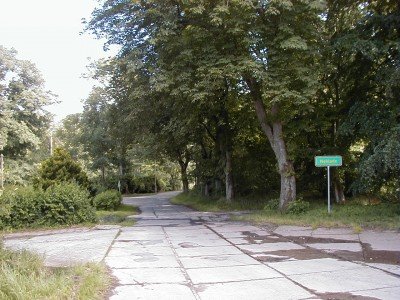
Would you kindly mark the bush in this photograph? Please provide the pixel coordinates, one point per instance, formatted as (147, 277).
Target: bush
(145, 184)
(272, 204)
(298, 207)
(60, 167)
(59, 205)
(20, 206)
(108, 200)
(67, 203)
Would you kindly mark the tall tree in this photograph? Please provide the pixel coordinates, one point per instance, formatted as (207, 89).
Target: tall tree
(267, 48)
(96, 139)
(22, 105)
(24, 120)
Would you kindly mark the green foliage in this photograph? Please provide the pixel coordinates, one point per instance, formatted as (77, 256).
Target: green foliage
(272, 204)
(61, 204)
(94, 125)
(120, 216)
(66, 203)
(145, 184)
(352, 214)
(202, 203)
(20, 206)
(107, 200)
(23, 117)
(60, 167)
(298, 207)
(323, 76)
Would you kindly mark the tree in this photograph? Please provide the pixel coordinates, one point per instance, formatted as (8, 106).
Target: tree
(267, 49)
(95, 129)
(372, 119)
(22, 107)
(60, 167)
(24, 120)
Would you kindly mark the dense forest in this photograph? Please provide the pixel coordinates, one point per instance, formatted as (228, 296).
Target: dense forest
(226, 97)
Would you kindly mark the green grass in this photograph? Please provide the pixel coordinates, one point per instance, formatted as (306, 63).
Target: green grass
(382, 216)
(201, 203)
(23, 276)
(353, 214)
(118, 216)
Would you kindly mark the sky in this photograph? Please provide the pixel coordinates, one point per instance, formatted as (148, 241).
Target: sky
(47, 33)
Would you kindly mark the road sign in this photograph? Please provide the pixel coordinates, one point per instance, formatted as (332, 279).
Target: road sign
(328, 161)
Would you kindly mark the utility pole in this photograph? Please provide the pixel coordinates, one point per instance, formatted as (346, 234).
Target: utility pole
(155, 178)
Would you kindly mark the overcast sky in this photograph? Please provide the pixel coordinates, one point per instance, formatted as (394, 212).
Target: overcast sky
(47, 32)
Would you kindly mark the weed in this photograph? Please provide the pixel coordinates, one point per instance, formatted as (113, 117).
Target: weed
(272, 205)
(120, 216)
(382, 215)
(357, 228)
(201, 203)
(23, 276)
(298, 207)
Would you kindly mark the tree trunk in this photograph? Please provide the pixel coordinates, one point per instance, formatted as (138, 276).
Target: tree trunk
(286, 169)
(218, 186)
(184, 177)
(230, 194)
(207, 189)
(338, 189)
(274, 132)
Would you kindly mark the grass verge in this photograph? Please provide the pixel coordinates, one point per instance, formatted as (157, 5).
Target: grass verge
(23, 276)
(201, 203)
(118, 216)
(353, 214)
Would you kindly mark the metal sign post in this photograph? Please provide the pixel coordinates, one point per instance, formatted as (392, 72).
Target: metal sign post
(328, 162)
(329, 190)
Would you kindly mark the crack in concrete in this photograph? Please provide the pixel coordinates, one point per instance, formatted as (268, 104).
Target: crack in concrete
(111, 245)
(182, 268)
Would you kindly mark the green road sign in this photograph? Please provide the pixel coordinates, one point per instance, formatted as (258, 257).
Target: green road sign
(328, 161)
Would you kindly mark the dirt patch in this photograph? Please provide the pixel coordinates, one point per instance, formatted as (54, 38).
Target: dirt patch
(344, 296)
(299, 254)
(189, 245)
(113, 284)
(269, 259)
(380, 256)
(200, 288)
(367, 255)
(315, 240)
(349, 255)
(255, 238)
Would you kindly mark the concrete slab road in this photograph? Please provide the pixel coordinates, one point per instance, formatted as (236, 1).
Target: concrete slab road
(174, 252)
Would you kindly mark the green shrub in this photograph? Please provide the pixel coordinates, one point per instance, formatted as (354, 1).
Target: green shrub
(67, 203)
(108, 200)
(20, 206)
(272, 204)
(58, 205)
(145, 184)
(298, 207)
(60, 167)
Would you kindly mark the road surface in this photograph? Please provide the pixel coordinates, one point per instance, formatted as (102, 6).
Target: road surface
(176, 253)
